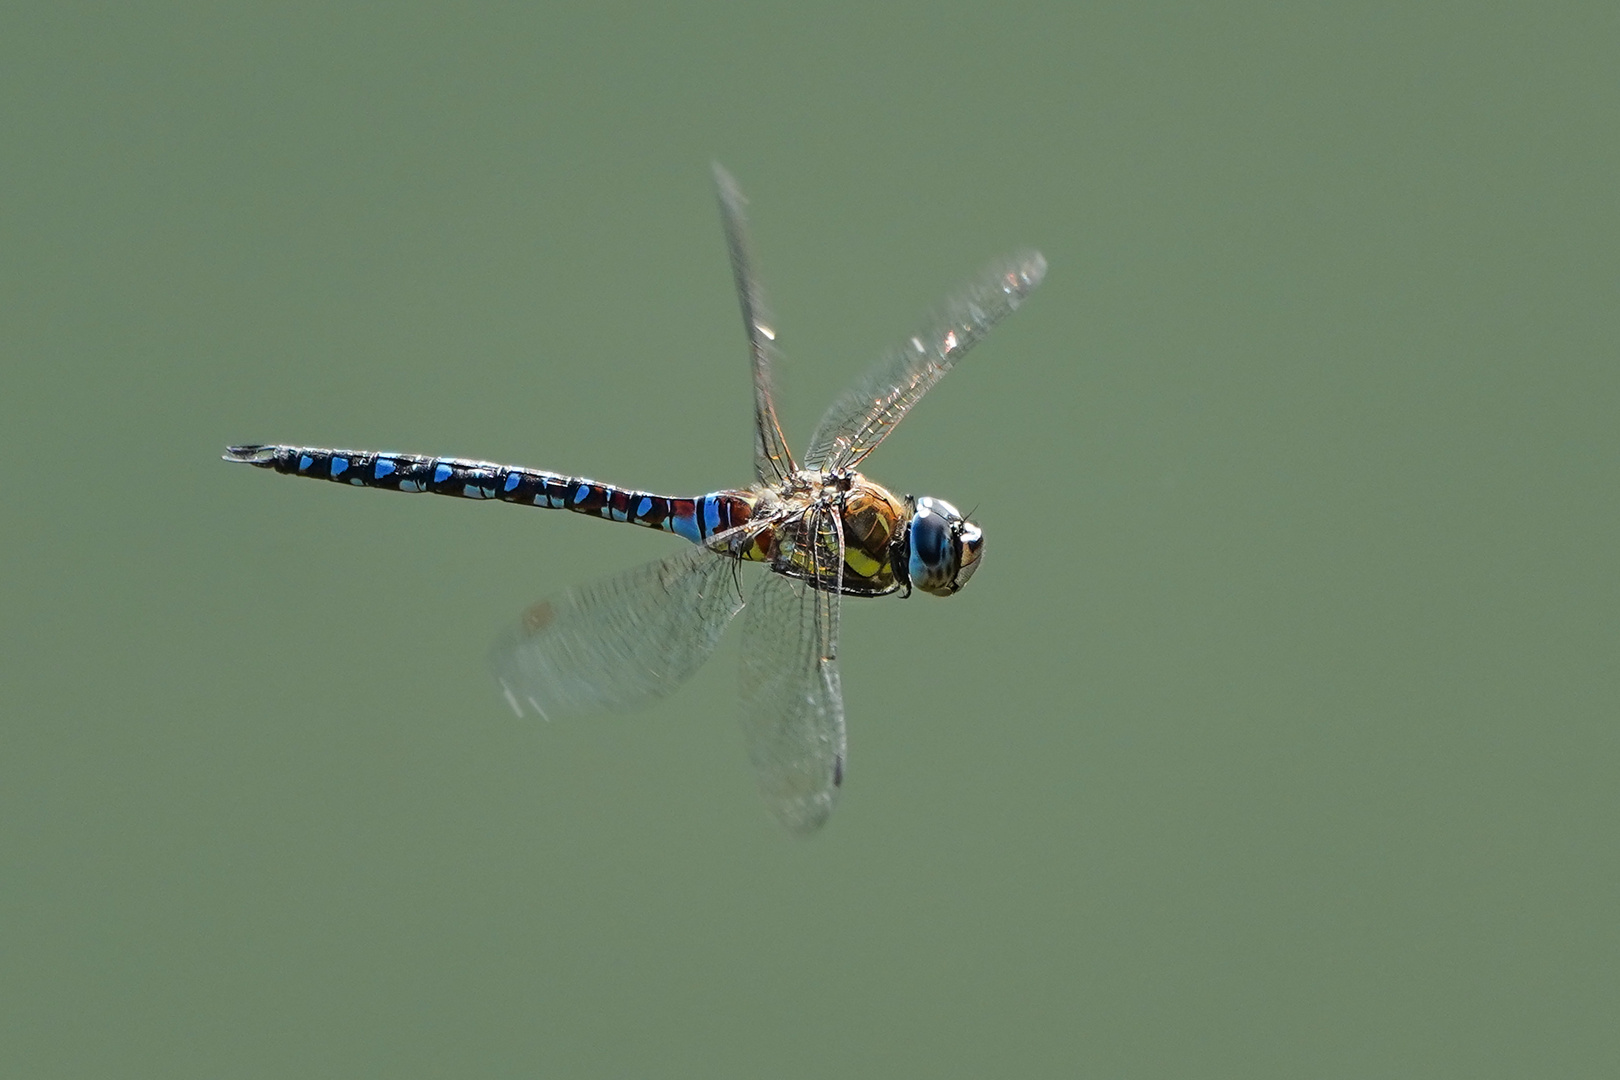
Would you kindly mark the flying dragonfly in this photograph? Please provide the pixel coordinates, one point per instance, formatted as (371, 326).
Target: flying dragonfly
(820, 529)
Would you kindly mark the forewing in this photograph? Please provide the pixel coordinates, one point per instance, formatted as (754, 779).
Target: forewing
(861, 419)
(620, 642)
(793, 706)
(773, 461)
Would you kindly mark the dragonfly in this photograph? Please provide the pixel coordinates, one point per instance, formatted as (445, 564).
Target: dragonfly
(820, 529)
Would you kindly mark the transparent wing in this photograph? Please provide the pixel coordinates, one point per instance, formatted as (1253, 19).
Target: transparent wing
(861, 419)
(621, 642)
(773, 461)
(793, 706)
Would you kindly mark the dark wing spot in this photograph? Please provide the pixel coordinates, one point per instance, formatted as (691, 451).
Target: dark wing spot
(538, 616)
(838, 770)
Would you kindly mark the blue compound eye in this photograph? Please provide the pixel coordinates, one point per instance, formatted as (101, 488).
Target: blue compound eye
(945, 547)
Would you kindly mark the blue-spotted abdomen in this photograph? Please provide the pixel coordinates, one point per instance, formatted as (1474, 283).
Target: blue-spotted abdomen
(696, 519)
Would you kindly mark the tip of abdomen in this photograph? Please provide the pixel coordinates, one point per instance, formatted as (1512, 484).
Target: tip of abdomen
(250, 454)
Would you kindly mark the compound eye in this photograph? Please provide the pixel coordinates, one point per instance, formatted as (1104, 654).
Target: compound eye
(935, 551)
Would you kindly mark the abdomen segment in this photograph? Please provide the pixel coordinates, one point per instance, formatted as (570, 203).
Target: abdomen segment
(695, 519)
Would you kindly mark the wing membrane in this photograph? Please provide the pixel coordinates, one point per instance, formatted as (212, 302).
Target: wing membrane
(620, 642)
(861, 419)
(773, 461)
(793, 705)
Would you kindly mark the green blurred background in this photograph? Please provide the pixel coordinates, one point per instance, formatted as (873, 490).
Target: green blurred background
(1276, 738)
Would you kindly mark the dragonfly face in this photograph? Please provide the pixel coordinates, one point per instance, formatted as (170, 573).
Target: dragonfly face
(945, 547)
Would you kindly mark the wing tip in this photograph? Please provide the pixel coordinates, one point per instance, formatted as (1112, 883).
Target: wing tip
(805, 826)
(726, 184)
(1028, 268)
(803, 813)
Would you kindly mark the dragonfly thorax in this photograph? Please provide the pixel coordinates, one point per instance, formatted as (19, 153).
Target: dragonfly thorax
(874, 522)
(873, 525)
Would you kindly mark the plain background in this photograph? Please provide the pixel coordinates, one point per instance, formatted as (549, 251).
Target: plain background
(1276, 737)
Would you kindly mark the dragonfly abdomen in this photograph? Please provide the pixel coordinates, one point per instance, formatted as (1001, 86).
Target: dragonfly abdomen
(695, 519)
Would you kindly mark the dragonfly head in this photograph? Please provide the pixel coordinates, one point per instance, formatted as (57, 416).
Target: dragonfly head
(943, 547)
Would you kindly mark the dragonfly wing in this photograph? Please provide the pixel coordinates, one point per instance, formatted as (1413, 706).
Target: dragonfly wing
(793, 706)
(773, 461)
(861, 419)
(620, 642)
